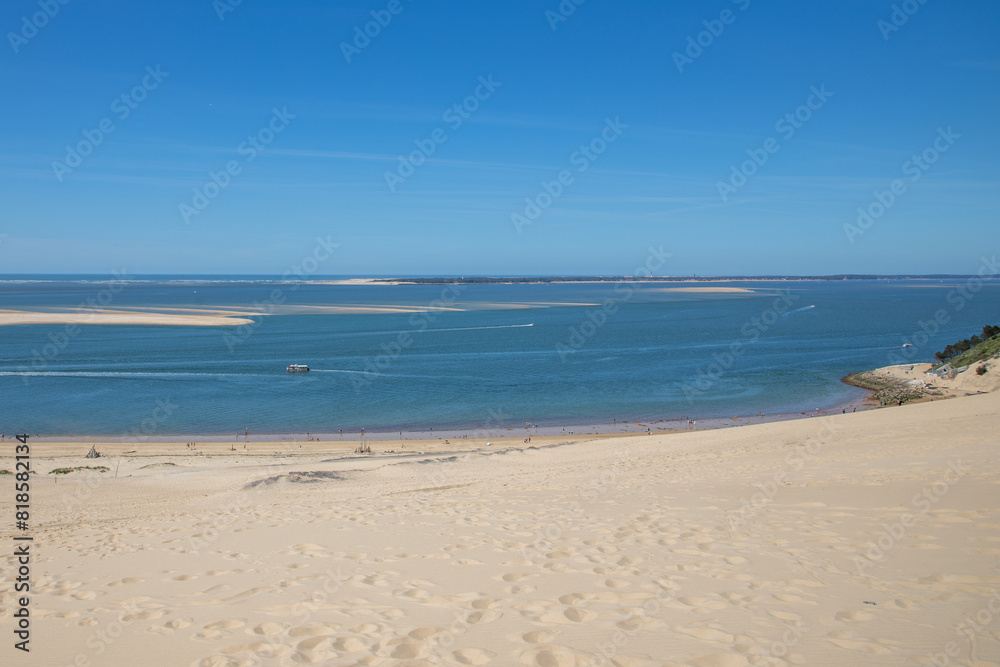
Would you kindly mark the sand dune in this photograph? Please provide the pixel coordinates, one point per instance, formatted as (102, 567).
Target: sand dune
(860, 539)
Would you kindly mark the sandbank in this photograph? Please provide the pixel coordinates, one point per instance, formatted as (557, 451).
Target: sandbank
(109, 317)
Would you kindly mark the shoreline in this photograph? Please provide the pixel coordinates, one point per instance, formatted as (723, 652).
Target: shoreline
(383, 436)
(883, 387)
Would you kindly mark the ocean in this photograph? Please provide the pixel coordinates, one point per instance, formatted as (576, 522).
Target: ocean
(634, 352)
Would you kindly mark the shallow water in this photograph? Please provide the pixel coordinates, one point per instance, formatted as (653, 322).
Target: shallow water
(646, 354)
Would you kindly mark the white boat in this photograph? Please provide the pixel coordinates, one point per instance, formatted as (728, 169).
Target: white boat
(297, 368)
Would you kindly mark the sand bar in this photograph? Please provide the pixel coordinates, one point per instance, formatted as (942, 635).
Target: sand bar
(108, 317)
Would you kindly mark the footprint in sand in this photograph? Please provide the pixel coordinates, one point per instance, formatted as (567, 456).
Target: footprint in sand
(314, 630)
(218, 629)
(369, 629)
(853, 616)
(637, 623)
(349, 645)
(420, 634)
(701, 604)
(267, 629)
(484, 603)
(539, 636)
(578, 615)
(126, 580)
(215, 661)
(473, 656)
(520, 589)
(416, 594)
(405, 649)
(262, 649)
(554, 656)
(312, 644)
(143, 616)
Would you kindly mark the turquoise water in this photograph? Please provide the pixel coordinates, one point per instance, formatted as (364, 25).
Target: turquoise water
(647, 354)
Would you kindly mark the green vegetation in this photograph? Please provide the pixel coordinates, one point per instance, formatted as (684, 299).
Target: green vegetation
(6, 472)
(969, 351)
(66, 471)
(982, 370)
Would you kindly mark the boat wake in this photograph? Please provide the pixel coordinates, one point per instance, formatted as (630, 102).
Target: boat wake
(497, 326)
(799, 310)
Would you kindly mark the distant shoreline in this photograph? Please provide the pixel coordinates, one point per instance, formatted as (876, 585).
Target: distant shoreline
(544, 280)
(199, 279)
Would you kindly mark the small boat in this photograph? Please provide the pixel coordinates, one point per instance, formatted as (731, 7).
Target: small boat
(297, 368)
(907, 344)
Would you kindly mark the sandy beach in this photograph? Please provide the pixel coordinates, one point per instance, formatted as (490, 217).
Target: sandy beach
(868, 538)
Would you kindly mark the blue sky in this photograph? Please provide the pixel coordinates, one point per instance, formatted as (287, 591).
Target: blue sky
(222, 75)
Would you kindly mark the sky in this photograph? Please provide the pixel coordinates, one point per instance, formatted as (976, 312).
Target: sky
(524, 137)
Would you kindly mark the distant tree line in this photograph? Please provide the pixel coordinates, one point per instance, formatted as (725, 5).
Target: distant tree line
(955, 349)
(479, 280)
